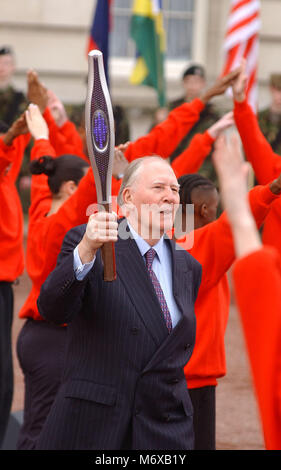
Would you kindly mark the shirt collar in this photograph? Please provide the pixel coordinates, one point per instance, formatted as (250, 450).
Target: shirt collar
(143, 246)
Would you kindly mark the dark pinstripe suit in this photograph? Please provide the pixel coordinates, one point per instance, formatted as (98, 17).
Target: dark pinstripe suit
(123, 383)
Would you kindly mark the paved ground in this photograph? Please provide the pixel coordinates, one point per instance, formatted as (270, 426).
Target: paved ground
(237, 417)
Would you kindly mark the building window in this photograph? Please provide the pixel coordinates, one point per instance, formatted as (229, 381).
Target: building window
(178, 17)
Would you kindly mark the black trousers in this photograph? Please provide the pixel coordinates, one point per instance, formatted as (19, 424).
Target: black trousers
(6, 360)
(40, 350)
(204, 417)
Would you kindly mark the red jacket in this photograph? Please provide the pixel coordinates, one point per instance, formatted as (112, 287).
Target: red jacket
(11, 216)
(164, 138)
(161, 140)
(45, 234)
(64, 139)
(257, 284)
(191, 159)
(213, 248)
(266, 165)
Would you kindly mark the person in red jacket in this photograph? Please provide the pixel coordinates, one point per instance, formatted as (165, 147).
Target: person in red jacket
(60, 197)
(62, 132)
(12, 146)
(266, 163)
(211, 243)
(257, 285)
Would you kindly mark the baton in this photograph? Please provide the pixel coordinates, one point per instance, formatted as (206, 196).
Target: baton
(99, 125)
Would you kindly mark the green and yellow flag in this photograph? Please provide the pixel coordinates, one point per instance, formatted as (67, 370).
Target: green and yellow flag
(148, 33)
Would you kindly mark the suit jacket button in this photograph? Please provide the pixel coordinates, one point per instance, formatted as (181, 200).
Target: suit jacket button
(186, 346)
(174, 381)
(137, 411)
(167, 418)
(134, 330)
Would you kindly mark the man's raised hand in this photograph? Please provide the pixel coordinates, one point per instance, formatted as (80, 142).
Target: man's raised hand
(102, 227)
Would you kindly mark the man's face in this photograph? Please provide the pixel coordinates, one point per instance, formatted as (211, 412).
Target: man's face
(193, 85)
(7, 67)
(213, 202)
(155, 199)
(205, 206)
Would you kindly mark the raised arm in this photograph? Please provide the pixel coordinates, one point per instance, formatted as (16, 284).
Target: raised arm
(191, 159)
(13, 145)
(63, 134)
(266, 163)
(40, 192)
(164, 138)
(257, 284)
(61, 295)
(213, 244)
(232, 172)
(218, 235)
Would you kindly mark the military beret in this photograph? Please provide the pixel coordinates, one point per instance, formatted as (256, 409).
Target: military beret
(275, 80)
(194, 70)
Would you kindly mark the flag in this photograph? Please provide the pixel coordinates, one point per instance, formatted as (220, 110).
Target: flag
(148, 33)
(242, 40)
(99, 32)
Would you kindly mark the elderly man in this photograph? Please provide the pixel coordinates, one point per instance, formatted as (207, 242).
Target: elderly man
(128, 340)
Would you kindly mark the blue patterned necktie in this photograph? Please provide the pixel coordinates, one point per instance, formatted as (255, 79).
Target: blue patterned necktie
(149, 256)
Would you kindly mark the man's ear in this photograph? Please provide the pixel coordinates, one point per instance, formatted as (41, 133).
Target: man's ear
(204, 210)
(127, 196)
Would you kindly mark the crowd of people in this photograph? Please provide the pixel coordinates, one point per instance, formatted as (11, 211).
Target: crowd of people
(134, 363)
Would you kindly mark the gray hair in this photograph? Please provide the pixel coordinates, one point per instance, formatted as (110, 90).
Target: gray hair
(132, 172)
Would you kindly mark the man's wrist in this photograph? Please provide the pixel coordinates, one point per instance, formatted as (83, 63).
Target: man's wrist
(86, 253)
(206, 96)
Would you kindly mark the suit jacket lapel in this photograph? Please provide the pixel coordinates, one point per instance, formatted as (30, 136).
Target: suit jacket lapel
(135, 278)
(181, 276)
(182, 293)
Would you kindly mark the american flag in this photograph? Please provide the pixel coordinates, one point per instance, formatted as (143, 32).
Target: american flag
(242, 40)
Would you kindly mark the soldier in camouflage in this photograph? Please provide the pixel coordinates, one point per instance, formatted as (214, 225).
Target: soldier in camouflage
(12, 101)
(270, 118)
(194, 81)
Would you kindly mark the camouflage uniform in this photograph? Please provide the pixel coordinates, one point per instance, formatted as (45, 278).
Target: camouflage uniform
(208, 117)
(270, 125)
(270, 122)
(12, 104)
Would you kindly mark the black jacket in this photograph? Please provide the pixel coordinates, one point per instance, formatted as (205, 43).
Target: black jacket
(123, 384)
